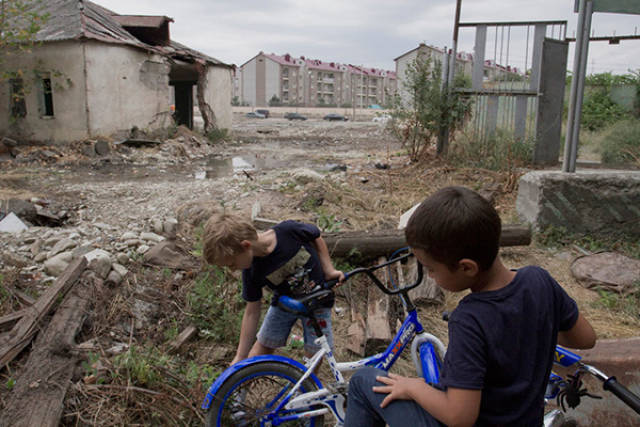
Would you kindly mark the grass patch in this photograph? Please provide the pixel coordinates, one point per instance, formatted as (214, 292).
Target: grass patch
(502, 152)
(553, 236)
(628, 304)
(217, 135)
(215, 305)
(621, 143)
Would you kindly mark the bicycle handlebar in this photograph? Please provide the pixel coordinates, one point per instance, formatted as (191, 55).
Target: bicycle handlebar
(369, 272)
(623, 393)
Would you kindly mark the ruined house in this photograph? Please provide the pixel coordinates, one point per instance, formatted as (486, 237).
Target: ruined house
(94, 73)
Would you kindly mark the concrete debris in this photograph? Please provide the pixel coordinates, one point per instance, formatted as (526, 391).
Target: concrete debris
(608, 271)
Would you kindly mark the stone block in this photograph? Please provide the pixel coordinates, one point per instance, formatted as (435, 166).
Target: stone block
(595, 202)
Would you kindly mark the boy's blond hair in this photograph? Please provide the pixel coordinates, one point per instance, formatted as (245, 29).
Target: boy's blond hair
(223, 234)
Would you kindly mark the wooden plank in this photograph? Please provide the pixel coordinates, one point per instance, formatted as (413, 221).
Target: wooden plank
(427, 292)
(378, 330)
(38, 397)
(357, 333)
(24, 330)
(8, 321)
(182, 338)
(372, 245)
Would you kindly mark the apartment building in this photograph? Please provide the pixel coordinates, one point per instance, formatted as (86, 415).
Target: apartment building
(464, 65)
(312, 82)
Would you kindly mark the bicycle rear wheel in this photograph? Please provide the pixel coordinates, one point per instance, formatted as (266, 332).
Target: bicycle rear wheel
(254, 392)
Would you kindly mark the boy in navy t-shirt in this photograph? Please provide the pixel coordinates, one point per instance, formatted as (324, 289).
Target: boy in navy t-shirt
(271, 258)
(502, 335)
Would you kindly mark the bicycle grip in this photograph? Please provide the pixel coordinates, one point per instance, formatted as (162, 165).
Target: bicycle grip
(623, 393)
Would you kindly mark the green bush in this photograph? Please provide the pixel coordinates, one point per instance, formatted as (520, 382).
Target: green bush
(599, 110)
(621, 143)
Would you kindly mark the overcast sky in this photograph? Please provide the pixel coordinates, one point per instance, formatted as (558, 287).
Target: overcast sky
(373, 32)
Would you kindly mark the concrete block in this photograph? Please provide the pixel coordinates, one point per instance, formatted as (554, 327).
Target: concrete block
(596, 202)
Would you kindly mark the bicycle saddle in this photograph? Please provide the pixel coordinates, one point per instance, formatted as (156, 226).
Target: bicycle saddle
(306, 304)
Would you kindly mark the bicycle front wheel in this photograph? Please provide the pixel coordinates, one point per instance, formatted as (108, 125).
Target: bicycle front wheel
(251, 395)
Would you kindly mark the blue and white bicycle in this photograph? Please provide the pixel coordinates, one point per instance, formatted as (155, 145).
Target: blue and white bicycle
(275, 390)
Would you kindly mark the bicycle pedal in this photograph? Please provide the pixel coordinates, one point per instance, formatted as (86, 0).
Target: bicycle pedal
(338, 388)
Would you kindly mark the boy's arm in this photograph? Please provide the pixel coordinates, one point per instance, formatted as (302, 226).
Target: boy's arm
(581, 335)
(325, 260)
(250, 320)
(455, 407)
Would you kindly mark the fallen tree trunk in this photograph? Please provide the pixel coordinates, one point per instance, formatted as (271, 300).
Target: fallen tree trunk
(375, 244)
(38, 397)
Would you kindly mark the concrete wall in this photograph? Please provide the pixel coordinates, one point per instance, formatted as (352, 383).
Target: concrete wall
(218, 94)
(69, 121)
(126, 87)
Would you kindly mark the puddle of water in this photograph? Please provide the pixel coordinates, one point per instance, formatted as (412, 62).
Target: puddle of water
(217, 167)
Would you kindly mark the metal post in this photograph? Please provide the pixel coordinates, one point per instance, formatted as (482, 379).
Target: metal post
(566, 162)
(581, 79)
(456, 30)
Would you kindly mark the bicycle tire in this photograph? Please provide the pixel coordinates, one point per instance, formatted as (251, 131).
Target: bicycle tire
(257, 382)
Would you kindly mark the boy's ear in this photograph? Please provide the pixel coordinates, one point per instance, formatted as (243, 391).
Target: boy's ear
(246, 244)
(468, 267)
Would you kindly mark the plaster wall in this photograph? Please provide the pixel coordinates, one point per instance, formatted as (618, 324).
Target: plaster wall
(218, 94)
(126, 87)
(272, 80)
(69, 121)
(249, 82)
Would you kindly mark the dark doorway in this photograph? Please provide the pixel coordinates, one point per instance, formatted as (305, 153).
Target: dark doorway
(183, 114)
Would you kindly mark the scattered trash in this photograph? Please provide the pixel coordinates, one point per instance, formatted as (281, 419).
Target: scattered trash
(296, 341)
(12, 224)
(382, 166)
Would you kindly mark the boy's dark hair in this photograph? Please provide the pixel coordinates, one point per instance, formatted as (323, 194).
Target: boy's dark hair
(456, 223)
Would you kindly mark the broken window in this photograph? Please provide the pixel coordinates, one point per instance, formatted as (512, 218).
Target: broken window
(17, 102)
(46, 96)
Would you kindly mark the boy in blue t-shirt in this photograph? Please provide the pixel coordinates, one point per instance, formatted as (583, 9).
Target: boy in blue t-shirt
(271, 258)
(502, 335)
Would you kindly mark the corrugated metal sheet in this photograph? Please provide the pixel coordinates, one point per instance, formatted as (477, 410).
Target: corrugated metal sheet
(77, 19)
(141, 20)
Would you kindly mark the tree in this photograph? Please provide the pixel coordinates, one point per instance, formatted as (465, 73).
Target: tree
(20, 21)
(429, 110)
(275, 101)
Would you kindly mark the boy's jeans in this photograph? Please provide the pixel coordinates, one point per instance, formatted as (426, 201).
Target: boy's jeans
(363, 405)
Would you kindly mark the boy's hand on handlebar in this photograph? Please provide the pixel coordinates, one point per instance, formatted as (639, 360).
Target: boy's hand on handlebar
(335, 275)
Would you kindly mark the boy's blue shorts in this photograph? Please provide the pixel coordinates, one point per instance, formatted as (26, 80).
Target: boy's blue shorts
(277, 325)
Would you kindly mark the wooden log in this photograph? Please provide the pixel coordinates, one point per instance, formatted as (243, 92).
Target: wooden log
(24, 330)
(38, 397)
(380, 243)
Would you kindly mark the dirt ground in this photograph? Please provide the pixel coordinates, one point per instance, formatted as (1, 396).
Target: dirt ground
(345, 175)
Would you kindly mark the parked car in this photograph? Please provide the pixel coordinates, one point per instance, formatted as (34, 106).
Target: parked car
(294, 116)
(265, 113)
(333, 117)
(255, 115)
(382, 118)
